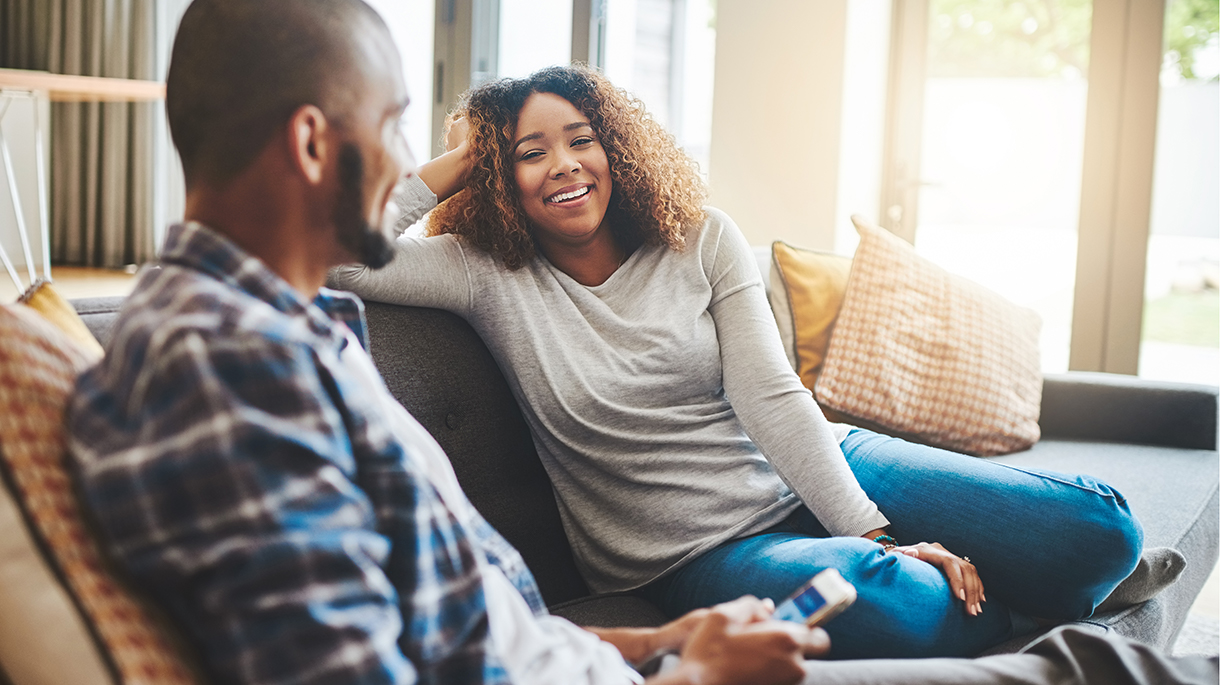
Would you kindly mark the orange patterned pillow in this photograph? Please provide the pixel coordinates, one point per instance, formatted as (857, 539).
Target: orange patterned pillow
(929, 356)
(38, 369)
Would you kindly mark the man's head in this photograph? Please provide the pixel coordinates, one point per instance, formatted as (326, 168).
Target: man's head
(317, 81)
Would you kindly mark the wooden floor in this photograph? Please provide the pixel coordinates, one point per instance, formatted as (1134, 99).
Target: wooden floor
(72, 282)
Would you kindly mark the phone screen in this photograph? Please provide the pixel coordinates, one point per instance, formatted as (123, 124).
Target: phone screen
(800, 607)
(809, 601)
(821, 599)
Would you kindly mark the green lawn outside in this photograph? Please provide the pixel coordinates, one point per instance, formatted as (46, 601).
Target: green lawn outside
(1184, 318)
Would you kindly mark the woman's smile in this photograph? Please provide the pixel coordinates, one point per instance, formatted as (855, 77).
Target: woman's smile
(571, 196)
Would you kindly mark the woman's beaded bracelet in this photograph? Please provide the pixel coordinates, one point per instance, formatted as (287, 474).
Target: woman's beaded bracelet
(886, 542)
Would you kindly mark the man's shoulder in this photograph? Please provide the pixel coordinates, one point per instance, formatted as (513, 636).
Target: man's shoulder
(181, 327)
(173, 303)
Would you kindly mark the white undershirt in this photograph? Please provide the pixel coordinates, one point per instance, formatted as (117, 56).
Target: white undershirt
(539, 650)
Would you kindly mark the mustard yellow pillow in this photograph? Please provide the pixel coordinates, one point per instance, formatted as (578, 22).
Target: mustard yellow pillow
(42, 298)
(931, 356)
(806, 292)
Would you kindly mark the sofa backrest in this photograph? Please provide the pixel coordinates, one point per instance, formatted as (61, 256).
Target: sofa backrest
(439, 369)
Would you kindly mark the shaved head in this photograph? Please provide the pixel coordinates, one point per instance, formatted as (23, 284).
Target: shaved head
(240, 68)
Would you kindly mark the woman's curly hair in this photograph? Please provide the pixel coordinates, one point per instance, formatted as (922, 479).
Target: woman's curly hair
(658, 194)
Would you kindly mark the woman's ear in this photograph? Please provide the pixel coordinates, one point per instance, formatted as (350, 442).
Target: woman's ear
(307, 133)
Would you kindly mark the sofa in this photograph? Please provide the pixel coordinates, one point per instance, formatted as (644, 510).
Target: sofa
(1156, 442)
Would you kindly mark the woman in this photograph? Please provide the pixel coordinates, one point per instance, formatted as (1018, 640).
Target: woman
(689, 463)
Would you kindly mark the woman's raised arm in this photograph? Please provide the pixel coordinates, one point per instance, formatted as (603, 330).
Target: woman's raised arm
(776, 411)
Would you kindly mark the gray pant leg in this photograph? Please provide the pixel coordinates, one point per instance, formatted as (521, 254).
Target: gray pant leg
(1067, 656)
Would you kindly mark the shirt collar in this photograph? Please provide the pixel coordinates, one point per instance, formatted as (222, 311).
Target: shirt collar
(194, 246)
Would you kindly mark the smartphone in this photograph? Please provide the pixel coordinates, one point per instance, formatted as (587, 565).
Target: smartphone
(825, 596)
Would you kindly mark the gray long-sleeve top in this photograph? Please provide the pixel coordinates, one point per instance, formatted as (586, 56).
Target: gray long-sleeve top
(652, 398)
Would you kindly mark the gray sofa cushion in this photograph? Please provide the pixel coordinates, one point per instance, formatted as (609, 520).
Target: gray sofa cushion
(612, 610)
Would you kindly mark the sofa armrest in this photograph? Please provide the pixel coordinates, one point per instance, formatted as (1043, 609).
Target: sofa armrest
(1112, 407)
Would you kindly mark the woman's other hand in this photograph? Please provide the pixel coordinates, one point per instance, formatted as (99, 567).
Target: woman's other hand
(962, 575)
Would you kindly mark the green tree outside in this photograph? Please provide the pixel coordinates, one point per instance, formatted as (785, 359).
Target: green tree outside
(1048, 38)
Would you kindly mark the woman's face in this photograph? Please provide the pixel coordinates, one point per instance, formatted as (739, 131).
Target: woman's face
(561, 171)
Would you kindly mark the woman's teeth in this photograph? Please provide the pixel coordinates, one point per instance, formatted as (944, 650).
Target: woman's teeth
(562, 197)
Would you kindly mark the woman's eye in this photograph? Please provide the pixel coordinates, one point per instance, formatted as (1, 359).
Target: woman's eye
(532, 154)
(582, 141)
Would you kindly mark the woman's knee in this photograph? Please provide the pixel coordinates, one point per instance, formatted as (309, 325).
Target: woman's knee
(1111, 537)
(1104, 551)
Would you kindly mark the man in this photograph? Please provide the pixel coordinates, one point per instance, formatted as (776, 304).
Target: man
(244, 462)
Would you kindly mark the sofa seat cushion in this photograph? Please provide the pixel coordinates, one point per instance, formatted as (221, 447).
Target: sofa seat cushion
(1174, 493)
(611, 610)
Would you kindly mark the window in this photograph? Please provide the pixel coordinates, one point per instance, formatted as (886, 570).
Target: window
(1180, 338)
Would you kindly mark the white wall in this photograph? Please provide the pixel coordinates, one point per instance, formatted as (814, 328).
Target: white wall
(410, 23)
(18, 129)
(776, 117)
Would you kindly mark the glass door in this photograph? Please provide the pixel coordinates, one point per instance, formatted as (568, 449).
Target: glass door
(989, 188)
(1180, 338)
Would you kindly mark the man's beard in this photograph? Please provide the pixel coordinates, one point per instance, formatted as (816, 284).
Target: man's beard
(370, 245)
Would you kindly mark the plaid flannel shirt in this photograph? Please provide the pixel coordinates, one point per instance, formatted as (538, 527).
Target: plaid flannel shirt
(240, 475)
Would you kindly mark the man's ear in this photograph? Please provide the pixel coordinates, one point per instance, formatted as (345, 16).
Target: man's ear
(308, 129)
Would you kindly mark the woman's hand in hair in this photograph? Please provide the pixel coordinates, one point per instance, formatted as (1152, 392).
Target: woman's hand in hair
(458, 131)
(446, 175)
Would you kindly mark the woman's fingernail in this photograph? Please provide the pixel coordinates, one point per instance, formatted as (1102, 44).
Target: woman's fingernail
(961, 594)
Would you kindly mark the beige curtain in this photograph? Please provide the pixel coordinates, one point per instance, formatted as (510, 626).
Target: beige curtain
(113, 183)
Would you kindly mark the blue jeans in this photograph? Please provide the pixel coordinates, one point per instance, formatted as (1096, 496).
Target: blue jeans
(1045, 544)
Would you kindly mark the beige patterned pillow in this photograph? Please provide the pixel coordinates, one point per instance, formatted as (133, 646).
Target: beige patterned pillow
(926, 355)
(38, 368)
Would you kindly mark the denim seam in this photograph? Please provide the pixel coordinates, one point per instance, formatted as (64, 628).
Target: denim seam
(1113, 494)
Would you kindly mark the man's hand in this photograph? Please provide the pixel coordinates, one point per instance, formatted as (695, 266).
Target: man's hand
(722, 650)
(638, 644)
(748, 609)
